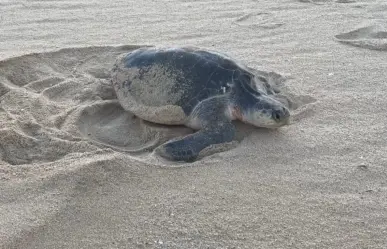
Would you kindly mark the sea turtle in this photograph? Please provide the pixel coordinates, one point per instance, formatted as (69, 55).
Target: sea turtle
(201, 89)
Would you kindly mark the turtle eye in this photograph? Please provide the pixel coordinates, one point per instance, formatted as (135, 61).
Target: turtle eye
(262, 79)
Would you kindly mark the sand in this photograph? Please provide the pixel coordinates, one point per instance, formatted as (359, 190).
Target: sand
(67, 179)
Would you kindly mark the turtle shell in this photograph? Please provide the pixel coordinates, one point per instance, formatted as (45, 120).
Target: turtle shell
(152, 81)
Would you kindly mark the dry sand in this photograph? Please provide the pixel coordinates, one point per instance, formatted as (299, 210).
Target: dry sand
(320, 182)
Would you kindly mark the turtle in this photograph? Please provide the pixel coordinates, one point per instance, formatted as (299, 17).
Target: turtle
(202, 89)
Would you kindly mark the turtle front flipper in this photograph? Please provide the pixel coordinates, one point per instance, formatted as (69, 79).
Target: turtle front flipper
(216, 128)
(187, 149)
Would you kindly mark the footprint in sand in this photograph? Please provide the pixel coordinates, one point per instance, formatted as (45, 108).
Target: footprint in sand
(260, 20)
(372, 37)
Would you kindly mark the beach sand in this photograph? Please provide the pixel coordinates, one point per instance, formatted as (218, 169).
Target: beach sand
(68, 180)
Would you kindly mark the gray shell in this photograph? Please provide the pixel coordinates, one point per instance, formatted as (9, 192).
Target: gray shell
(165, 85)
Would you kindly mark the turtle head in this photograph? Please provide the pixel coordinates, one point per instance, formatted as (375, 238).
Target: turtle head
(265, 111)
(258, 108)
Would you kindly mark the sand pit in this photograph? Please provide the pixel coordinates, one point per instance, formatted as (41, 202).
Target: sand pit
(76, 171)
